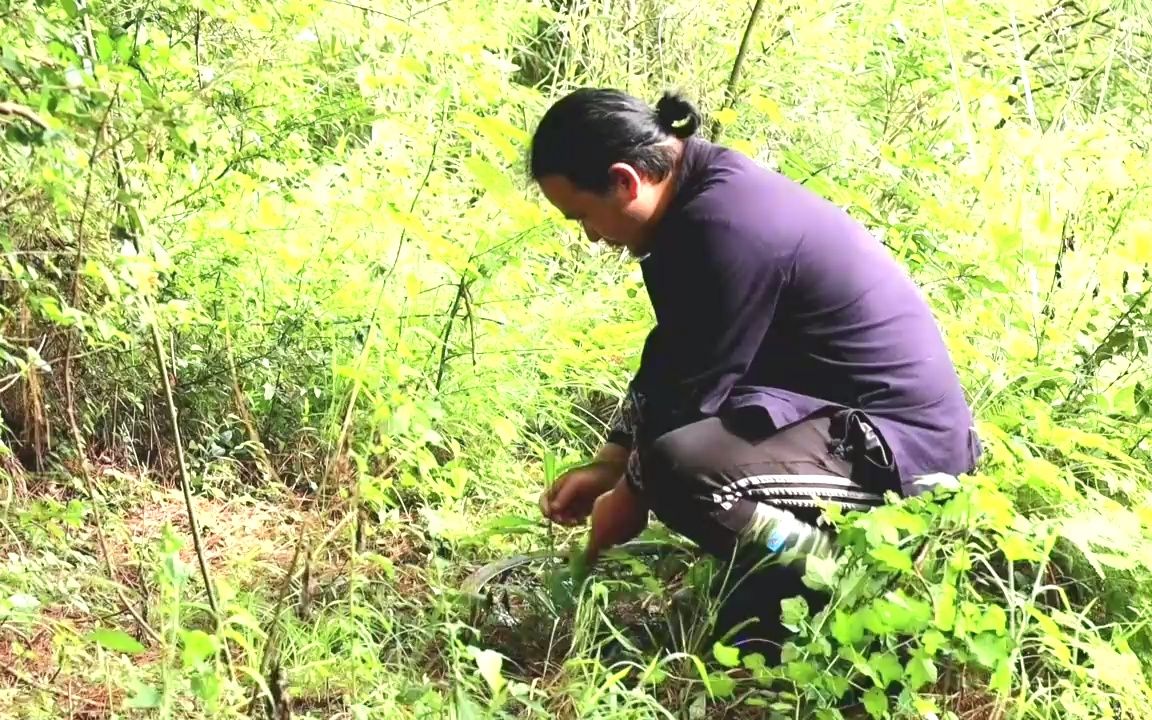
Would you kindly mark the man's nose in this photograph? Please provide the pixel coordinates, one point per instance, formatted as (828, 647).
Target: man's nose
(592, 234)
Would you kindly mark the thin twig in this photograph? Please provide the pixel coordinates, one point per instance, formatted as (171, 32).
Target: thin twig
(1024, 77)
(461, 289)
(416, 196)
(77, 263)
(86, 470)
(22, 111)
(182, 465)
(246, 413)
(372, 11)
(737, 65)
(122, 184)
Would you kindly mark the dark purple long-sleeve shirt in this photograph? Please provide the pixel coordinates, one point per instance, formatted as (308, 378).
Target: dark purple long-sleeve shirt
(769, 297)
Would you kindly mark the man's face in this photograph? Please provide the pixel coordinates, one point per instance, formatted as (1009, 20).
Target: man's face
(617, 217)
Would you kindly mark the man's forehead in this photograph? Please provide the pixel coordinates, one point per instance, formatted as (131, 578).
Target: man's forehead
(563, 194)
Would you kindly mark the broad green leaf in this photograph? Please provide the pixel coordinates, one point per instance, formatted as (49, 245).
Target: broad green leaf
(793, 612)
(876, 703)
(847, 628)
(802, 673)
(116, 640)
(71, 8)
(198, 646)
(466, 707)
(820, 572)
(987, 617)
(489, 663)
(105, 48)
(893, 557)
(144, 697)
(505, 430)
(921, 671)
(1001, 681)
(887, 667)
(933, 641)
(1051, 635)
(260, 21)
(989, 649)
(722, 685)
(206, 686)
(1017, 547)
(726, 655)
(754, 662)
(768, 107)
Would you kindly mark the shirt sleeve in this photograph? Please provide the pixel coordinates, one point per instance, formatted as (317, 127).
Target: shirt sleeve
(726, 283)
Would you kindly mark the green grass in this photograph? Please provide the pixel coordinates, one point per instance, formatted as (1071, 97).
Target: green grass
(383, 343)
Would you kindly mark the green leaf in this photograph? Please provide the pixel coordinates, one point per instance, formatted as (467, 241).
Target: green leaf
(820, 572)
(116, 640)
(1017, 547)
(71, 8)
(847, 628)
(505, 430)
(793, 612)
(488, 176)
(198, 646)
(921, 671)
(876, 702)
(124, 47)
(989, 649)
(144, 697)
(104, 47)
(1001, 680)
(466, 707)
(206, 686)
(726, 655)
(893, 557)
(725, 116)
(933, 640)
(887, 667)
(988, 618)
(802, 673)
(489, 663)
(946, 607)
(722, 685)
(755, 662)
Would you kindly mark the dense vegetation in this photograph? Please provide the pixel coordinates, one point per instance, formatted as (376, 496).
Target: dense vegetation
(283, 256)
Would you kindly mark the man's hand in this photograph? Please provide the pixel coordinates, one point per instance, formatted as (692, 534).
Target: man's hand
(570, 499)
(617, 517)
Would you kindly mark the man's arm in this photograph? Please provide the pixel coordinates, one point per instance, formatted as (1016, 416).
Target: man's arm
(732, 278)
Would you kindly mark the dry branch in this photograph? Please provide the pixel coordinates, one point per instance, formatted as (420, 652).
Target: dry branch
(24, 112)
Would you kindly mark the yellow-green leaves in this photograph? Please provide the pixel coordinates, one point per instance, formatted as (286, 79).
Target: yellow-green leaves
(116, 640)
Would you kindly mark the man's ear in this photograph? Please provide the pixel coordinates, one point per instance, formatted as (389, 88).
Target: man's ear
(625, 179)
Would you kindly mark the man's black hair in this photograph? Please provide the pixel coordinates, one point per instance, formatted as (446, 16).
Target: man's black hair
(586, 132)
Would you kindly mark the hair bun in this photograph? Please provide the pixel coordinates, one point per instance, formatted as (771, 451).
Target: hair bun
(678, 116)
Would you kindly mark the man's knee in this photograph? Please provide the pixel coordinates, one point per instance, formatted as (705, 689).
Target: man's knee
(680, 476)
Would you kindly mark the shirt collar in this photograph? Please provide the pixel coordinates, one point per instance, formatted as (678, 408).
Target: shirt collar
(689, 177)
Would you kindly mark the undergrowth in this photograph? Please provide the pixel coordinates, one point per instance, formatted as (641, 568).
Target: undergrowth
(310, 220)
